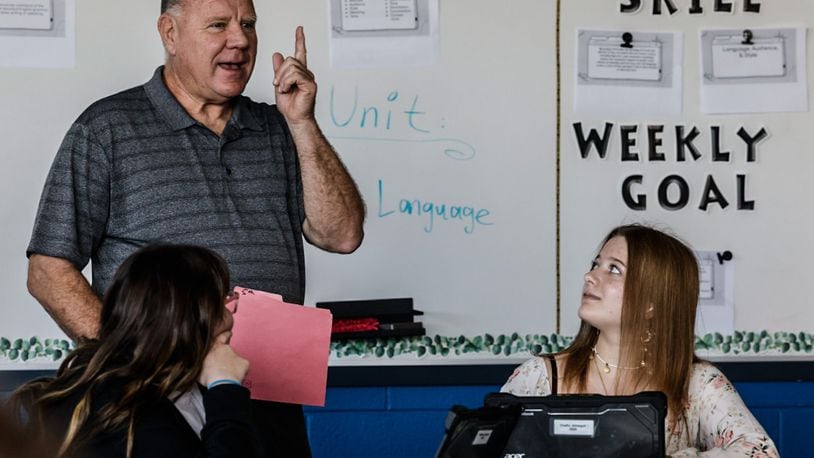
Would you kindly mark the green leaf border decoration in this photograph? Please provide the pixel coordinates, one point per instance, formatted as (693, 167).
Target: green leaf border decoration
(740, 343)
(33, 349)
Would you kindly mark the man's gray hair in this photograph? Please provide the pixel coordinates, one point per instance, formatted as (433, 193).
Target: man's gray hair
(171, 6)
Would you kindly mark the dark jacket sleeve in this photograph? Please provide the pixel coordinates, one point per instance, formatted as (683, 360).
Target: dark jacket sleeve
(162, 432)
(228, 432)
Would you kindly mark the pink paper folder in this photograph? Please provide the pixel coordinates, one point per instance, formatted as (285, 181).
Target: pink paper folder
(287, 346)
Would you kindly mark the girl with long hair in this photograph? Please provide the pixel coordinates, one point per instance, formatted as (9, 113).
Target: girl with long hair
(134, 391)
(637, 333)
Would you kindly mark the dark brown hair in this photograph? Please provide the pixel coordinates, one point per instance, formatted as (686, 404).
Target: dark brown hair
(14, 440)
(662, 274)
(158, 318)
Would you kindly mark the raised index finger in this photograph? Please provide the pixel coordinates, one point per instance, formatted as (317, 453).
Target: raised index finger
(299, 46)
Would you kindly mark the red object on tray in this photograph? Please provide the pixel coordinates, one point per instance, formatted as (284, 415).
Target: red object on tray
(354, 325)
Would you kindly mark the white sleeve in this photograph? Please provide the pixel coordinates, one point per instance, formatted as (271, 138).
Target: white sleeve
(726, 426)
(529, 379)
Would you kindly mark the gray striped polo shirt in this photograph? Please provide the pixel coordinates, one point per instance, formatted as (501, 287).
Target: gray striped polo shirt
(135, 168)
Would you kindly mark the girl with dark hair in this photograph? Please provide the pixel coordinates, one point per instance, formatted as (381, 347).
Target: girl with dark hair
(638, 334)
(135, 391)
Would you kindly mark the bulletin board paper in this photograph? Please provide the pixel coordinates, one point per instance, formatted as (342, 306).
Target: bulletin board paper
(26, 15)
(769, 76)
(37, 34)
(611, 80)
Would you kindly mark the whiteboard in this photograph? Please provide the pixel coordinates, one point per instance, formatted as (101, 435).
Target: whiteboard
(491, 96)
(491, 100)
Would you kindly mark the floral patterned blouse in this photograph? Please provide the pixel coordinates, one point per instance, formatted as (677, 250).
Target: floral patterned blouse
(719, 422)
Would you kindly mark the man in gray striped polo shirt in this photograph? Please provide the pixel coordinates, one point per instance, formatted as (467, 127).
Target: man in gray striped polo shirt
(186, 158)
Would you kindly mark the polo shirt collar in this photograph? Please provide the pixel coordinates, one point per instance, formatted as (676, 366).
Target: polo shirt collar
(178, 118)
(165, 102)
(243, 116)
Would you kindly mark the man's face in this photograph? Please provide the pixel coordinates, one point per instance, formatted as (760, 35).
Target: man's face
(215, 48)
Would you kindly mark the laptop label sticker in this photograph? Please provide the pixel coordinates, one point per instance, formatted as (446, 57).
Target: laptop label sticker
(482, 437)
(582, 428)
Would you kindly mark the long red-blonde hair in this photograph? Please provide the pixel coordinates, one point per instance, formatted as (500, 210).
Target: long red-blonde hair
(658, 319)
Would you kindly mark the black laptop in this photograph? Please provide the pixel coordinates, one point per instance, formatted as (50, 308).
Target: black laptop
(478, 433)
(585, 425)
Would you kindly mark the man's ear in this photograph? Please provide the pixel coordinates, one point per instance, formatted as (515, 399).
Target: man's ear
(167, 32)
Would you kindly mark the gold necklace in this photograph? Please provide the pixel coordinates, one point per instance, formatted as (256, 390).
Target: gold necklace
(608, 365)
(602, 380)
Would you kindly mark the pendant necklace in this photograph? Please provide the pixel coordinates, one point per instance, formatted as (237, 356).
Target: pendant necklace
(607, 365)
(601, 379)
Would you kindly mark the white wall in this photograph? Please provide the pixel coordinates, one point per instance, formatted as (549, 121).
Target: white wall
(495, 88)
(771, 245)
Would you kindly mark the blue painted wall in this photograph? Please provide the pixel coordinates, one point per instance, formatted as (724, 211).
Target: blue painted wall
(408, 422)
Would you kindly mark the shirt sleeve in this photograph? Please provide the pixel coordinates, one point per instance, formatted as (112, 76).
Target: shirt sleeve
(73, 209)
(228, 430)
(163, 432)
(726, 426)
(529, 379)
